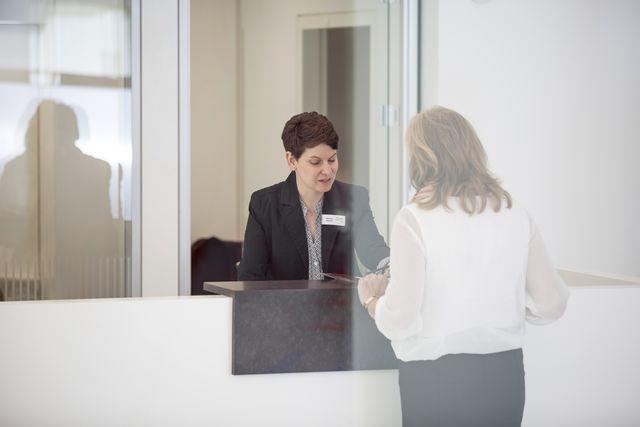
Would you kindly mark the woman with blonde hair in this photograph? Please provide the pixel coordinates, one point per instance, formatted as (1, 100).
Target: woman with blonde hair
(468, 267)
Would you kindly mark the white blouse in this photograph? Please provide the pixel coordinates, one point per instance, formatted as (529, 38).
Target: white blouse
(465, 283)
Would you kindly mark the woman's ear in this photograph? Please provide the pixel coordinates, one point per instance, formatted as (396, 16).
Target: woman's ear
(291, 161)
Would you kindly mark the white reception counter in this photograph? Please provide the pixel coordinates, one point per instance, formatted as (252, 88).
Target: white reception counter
(167, 362)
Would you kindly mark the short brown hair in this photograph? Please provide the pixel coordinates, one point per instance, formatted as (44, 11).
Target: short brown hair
(446, 159)
(307, 130)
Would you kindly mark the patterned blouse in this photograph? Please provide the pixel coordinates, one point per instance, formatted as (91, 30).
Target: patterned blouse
(314, 245)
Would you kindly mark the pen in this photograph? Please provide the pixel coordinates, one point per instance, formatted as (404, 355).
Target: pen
(379, 270)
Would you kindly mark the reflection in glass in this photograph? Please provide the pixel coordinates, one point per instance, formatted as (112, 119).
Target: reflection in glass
(65, 149)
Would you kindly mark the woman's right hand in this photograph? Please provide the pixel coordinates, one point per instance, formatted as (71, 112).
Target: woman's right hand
(372, 285)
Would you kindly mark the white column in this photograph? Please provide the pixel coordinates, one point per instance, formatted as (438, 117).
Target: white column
(159, 147)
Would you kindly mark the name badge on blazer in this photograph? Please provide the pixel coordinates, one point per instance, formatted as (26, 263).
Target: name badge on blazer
(333, 220)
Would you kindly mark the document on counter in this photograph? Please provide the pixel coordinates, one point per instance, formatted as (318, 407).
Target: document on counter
(343, 278)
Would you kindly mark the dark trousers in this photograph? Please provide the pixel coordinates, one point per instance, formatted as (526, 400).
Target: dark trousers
(463, 390)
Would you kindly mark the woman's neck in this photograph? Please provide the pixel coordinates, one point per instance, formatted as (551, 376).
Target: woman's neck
(309, 198)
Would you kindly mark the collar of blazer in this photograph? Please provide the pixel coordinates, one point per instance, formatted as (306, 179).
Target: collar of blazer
(335, 202)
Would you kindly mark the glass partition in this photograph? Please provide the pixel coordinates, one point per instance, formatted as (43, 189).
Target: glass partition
(255, 64)
(65, 149)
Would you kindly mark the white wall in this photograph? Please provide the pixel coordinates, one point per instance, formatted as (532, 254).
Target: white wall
(215, 176)
(583, 370)
(553, 91)
(167, 362)
(269, 57)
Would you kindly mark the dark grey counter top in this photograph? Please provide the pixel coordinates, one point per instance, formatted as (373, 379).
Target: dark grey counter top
(301, 326)
(230, 289)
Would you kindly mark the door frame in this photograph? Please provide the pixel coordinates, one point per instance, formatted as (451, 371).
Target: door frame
(376, 21)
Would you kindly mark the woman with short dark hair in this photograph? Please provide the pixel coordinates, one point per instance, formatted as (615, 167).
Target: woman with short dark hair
(310, 223)
(307, 130)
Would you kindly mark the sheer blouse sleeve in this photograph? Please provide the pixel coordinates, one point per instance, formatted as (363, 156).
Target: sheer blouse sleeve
(398, 311)
(546, 292)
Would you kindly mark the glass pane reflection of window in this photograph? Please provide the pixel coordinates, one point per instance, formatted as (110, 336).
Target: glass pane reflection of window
(65, 149)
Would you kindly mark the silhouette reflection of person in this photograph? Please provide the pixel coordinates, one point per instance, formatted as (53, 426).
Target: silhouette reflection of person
(19, 202)
(54, 201)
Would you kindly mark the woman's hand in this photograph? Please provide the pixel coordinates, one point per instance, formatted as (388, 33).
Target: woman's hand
(372, 287)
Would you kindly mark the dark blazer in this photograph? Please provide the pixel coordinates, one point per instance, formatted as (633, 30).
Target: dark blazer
(275, 242)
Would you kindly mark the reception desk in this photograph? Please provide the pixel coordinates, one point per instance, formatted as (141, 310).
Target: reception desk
(167, 361)
(302, 326)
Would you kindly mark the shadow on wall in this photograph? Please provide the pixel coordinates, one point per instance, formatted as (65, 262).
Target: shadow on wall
(58, 238)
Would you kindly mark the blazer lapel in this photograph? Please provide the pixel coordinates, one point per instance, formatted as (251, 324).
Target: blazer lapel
(293, 219)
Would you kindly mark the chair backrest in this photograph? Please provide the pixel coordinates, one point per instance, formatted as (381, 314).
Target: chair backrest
(213, 260)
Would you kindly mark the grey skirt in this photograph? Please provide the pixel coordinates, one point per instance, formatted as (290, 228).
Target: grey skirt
(463, 390)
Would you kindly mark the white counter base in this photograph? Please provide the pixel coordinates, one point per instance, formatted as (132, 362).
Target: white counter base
(166, 362)
(163, 362)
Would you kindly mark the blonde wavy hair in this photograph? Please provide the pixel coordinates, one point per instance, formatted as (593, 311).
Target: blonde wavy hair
(446, 159)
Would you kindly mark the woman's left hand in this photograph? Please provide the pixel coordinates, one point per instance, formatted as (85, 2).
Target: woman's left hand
(372, 285)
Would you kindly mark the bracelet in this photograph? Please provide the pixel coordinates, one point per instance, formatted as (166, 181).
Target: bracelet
(369, 301)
